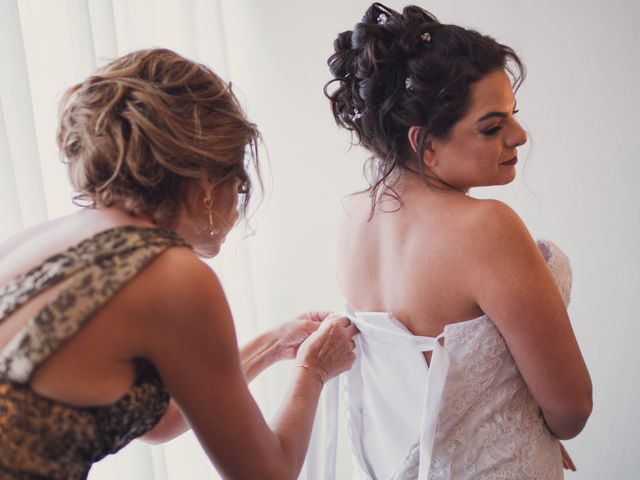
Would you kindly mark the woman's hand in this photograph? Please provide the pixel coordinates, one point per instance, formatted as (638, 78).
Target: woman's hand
(329, 351)
(292, 333)
(199, 363)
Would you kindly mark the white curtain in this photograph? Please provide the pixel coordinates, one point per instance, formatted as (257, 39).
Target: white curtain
(47, 47)
(22, 201)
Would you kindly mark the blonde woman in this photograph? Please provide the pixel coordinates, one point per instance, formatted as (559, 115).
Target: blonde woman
(110, 322)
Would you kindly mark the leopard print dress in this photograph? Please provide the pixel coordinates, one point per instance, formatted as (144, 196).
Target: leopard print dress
(44, 439)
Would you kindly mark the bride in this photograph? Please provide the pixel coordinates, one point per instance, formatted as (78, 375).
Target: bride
(467, 363)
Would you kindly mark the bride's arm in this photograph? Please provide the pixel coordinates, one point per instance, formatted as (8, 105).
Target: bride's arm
(514, 287)
(560, 268)
(277, 344)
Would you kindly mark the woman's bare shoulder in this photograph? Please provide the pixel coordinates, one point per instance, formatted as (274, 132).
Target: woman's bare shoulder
(178, 275)
(488, 232)
(494, 213)
(175, 295)
(492, 223)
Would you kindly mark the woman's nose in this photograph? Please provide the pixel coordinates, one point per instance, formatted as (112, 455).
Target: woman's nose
(518, 136)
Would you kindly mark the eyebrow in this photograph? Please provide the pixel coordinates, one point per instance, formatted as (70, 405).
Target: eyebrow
(491, 115)
(496, 114)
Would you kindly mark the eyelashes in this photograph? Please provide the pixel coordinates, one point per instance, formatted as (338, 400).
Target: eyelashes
(491, 131)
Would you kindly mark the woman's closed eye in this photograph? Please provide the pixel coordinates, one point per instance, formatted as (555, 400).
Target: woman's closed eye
(490, 131)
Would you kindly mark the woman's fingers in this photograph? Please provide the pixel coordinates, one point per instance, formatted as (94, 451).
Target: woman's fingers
(345, 323)
(347, 330)
(330, 349)
(352, 330)
(317, 316)
(342, 321)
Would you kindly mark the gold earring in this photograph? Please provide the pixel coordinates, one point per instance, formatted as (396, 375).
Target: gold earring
(208, 203)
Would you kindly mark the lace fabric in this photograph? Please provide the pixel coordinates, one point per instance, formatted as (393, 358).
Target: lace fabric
(485, 421)
(490, 427)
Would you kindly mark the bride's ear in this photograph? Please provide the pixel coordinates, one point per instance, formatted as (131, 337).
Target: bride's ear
(428, 158)
(413, 138)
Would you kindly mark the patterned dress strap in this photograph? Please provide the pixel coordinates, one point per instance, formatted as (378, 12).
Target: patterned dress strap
(107, 262)
(26, 286)
(63, 265)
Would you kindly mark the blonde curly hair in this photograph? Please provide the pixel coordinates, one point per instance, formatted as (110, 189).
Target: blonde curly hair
(138, 132)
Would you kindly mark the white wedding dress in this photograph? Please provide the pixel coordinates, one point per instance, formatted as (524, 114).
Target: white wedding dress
(469, 415)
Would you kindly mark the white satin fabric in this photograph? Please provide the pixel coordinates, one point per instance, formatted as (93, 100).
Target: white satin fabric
(469, 415)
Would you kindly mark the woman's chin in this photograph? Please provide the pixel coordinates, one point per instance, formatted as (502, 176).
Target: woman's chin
(507, 177)
(511, 178)
(207, 251)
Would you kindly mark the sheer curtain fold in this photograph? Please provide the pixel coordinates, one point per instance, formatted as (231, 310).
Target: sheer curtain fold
(81, 36)
(103, 30)
(9, 201)
(22, 185)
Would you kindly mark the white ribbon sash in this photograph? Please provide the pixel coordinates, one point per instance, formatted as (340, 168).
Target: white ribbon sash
(321, 459)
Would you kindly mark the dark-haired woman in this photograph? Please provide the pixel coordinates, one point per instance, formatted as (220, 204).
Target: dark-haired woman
(467, 365)
(109, 320)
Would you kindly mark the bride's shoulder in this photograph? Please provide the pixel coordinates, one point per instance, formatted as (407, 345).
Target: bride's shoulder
(491, 219)
(493, 234)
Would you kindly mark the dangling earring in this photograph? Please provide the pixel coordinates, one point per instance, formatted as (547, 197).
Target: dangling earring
(208, 203)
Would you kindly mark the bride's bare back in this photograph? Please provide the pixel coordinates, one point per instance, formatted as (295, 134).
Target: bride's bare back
(410, 261)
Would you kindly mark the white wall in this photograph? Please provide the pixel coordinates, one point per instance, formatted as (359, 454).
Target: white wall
(581, 105)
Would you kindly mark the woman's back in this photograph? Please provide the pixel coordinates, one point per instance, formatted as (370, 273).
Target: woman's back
(61, 375)
(411, 260)
(434, 104)
(62, 414)
(469, 414)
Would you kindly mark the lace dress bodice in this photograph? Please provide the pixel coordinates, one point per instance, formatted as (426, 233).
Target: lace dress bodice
(469, 415)
(489, 425)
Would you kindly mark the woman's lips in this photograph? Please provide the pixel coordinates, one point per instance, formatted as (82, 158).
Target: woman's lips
(513, 161)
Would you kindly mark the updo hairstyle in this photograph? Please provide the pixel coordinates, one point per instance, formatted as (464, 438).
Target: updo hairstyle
(398, 70)
(138, 132)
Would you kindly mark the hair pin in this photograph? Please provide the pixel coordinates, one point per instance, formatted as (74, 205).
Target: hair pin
(356, 115)
(408, 83)
(382, 19)
(426, 37)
